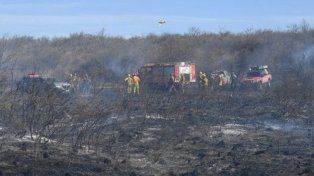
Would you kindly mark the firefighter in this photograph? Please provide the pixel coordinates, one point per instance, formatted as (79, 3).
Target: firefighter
(221, 79)
(171, 83)
(136, 84)
(74, 81)
(182, 82)
(200, 76)
(233, 80)
(203, 79)
(129, 81)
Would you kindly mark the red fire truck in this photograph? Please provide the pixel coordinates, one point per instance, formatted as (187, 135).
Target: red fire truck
(158, 75)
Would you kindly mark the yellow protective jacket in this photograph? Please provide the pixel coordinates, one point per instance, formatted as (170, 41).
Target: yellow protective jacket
(128, 80)
(136, 80)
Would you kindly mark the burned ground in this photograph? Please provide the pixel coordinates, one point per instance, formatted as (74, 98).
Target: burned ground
(183, 134)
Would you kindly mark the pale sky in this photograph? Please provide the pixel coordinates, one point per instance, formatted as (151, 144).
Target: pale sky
(140, 17)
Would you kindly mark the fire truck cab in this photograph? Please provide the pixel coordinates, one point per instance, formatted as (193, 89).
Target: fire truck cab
(158, 75)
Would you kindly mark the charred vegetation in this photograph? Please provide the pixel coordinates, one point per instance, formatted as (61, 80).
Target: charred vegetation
(198, 132)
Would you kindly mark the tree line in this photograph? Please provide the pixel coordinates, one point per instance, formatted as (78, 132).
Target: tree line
(106, 59)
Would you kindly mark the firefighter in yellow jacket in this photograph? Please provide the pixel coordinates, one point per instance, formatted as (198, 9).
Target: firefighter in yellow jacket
(136, 84)
(203, 79)
(129, 81)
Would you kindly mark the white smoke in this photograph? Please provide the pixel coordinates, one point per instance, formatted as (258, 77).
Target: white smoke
(306, 55)
(122, 66)
(304, 59)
